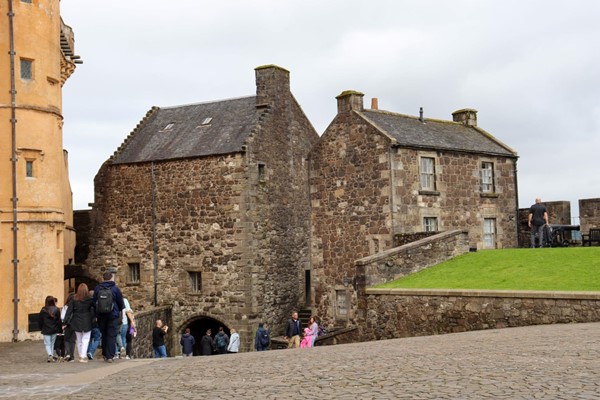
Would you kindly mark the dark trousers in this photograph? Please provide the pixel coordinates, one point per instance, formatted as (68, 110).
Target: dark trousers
(108, 327)
(70, 338)
(59, 345)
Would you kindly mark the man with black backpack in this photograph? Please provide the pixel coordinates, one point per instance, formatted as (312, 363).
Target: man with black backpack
(221, 341)
(262, 340)
(108, 302)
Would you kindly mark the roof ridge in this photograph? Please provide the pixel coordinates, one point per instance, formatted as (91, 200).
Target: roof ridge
(208, 102)
(413, 116)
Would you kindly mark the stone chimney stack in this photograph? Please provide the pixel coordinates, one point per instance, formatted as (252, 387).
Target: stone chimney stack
(466, 116)
(350, 100)
(374, 103)
(272, 84)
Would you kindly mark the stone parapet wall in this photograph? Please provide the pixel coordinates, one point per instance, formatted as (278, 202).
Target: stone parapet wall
(589, 214)
(413, 257)
(145, 321)
(393, 313)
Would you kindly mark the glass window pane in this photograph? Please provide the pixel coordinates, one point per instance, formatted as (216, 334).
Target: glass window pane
(26, 69)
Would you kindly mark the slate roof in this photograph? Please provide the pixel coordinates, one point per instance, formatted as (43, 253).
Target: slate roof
(232, 122)
(436, 134)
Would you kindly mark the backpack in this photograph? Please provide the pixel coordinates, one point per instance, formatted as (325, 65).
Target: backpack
(264, 338)
(220, 339)
(104, 301)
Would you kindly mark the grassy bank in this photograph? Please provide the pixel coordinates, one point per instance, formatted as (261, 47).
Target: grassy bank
(561, 269)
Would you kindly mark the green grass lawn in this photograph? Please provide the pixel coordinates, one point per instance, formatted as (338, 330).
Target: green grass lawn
(560, 269)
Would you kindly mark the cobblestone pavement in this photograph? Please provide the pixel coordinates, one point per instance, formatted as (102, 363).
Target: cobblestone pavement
(538, 362)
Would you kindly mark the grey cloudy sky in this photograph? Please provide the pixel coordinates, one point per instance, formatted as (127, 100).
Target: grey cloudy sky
(531, 69)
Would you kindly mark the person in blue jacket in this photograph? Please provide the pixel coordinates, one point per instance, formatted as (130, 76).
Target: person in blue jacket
(108, 321)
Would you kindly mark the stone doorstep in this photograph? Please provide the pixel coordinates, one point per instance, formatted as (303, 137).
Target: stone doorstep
(95, 374)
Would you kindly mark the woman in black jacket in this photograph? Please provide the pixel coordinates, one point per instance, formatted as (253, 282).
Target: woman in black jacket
(80, 316)
(50, 324)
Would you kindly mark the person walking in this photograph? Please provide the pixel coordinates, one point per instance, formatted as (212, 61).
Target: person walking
(537, 220)
(80, 313)
(314, 329)
(50, 324)
(158, 339)
(292, 331)
(207, 344)
(234, 342)
(262, 340)
(69, 336)
(221, 341)
(126, 318)
(187, 343)
(108, 302)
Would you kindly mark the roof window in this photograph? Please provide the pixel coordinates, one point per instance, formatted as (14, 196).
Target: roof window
(169, 126)
(206, 121)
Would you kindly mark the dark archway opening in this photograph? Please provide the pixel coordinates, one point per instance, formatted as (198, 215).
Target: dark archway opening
(198, 328)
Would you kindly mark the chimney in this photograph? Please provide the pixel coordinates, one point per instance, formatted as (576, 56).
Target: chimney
(350, 100)
(466, 116)
(374, 103)
(421, 114)
(272, 84)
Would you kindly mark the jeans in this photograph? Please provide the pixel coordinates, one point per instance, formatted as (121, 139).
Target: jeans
(49, 343)
(537, 230)
(83, 340)
(96, 337)
(108, 328)
(160, 351)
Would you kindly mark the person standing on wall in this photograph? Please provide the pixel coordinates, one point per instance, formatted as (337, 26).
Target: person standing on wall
(537, 219)
(292, 331)
(108, 301)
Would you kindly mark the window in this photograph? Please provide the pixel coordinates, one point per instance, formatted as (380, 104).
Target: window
(26, 1)
(169, 126)
(487, 177)
(427, 173)
(196, 281)
(206, 121)
(341, 299)
(134, 272)
(261, 172)
(489, 233)
(430, 224)
(26, 69)
(29, 169)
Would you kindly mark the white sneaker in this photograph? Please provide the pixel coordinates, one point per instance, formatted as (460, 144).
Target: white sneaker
(127, 358)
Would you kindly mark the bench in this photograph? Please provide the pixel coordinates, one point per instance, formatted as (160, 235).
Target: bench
(592, 237)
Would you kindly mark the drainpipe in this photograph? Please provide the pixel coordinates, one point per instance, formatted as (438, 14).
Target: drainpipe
(13, 123)
(154, 246)
(517, 204)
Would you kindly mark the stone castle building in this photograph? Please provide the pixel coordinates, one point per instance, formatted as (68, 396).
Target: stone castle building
(377, 176)
(37, 238)
(205, 207)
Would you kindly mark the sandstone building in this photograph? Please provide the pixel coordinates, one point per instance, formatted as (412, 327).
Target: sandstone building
(377, 176)
(36, 214)
(205, 207)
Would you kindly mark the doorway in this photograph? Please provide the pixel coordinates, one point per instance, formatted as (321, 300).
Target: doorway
(198, 328)
(307, 285)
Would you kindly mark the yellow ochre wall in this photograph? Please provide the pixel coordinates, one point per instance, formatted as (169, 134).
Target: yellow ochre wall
(46, 239)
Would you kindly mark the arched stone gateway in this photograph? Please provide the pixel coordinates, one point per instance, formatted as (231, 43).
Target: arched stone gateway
(74, 275)
(198, 326)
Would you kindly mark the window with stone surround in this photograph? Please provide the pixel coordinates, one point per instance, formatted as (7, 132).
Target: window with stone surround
(261, 172)
(427, 171)
(29, 168)
(430, 224)
(195, 281)
(341, 301)
(489, 233)
(134, 272)
(486, 174)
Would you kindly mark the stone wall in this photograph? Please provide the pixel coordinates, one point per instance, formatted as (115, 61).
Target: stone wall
(589, 214)
(145, 322)
(411, 258)
(457, 202)
(393, 313)
(559, 213)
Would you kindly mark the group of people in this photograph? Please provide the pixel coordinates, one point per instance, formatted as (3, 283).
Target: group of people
(293, 332)
(87, 319)
(220, 344)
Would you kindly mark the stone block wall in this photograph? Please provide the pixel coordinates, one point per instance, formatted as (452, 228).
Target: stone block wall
(145, 322)
(411, 258)
(457, 202)
(589, 214)
(559, 212)
(397, 313)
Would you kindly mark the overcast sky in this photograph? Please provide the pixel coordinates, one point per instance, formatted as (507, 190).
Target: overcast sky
(531, 69)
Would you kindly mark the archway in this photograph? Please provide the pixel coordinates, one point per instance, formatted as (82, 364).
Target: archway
(198, 327)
